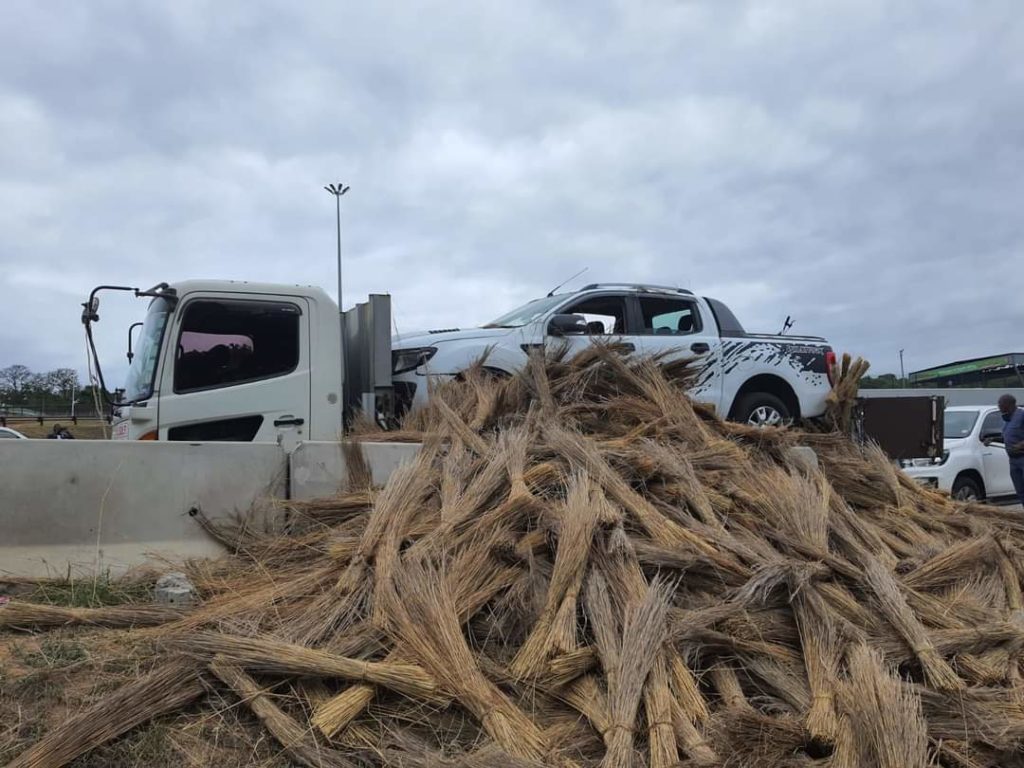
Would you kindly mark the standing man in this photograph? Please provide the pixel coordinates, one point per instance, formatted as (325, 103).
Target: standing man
(1013, 439)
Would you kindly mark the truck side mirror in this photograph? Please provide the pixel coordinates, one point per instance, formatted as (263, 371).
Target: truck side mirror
(567, 325)
(90, 310)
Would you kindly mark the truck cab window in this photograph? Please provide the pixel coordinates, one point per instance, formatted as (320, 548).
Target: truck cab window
(224, 342)
(605, 315)
(669, 316)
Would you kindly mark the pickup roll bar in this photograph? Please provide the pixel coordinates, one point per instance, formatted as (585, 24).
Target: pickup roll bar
(639, 286)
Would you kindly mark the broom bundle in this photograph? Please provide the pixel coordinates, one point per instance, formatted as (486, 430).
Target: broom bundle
(584, 568)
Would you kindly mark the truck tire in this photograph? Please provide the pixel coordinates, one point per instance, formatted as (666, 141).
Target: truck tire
(966, 488)
(760, 409)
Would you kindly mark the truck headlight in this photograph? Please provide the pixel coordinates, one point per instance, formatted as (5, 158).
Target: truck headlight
(403, 360)
(926, 462)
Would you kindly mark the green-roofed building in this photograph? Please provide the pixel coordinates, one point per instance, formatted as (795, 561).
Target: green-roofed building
(995, 372)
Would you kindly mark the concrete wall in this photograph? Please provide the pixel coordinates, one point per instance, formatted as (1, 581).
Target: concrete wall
(89, 506)
(93, 505)
(319, 469)
(954, 396)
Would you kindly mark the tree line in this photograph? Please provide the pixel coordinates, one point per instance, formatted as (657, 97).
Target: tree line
(21, 387)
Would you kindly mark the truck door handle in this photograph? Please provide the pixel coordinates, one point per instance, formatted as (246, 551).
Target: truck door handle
(700, 347)
(289, 421)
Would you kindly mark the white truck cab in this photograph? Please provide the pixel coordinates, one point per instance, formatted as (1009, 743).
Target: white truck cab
(220, 360)
(755, 378)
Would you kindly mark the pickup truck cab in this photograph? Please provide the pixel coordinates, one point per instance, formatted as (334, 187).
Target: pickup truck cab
(969, 470)
(758, 379)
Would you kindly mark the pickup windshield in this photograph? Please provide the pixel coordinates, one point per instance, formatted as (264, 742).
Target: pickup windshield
(142, 371)
(527, 313)
(957, 424)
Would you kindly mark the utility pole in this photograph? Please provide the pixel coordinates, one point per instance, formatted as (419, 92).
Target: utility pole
(903, 378)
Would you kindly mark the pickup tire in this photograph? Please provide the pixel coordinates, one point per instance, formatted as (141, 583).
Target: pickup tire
(760, 409)
(966, 488)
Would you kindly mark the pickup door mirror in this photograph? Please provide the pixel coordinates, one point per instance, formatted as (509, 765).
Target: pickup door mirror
(566, 325)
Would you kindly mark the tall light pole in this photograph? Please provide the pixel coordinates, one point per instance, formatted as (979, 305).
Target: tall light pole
(338, 190)
(903, 378)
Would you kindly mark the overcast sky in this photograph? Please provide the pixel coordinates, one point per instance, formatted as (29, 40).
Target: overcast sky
(856, 164)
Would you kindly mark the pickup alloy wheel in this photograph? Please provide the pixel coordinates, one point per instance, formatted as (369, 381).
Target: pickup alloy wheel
(759, 409)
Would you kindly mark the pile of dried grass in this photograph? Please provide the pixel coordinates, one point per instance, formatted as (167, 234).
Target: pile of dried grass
(583, 568)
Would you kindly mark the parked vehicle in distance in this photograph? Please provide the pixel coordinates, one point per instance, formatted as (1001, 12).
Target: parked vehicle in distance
(8, 433)
(968, 469)
(760, 379)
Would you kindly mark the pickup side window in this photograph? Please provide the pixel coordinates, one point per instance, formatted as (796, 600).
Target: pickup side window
(605, 315)
(663, 315)
(227, 342)
(992, 426)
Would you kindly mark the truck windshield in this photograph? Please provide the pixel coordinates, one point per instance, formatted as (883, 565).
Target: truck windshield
(957, 424)
(527, 313)
(142, 371)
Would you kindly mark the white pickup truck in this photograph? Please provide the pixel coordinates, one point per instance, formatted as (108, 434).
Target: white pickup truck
(754, 378)
(968, 469)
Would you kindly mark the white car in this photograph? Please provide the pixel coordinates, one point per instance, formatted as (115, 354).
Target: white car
(755, 378)
(969, 470)
(7, 432)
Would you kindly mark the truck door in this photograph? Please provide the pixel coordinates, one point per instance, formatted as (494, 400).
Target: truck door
(236, 368)
(606, 317)
(674, 324)
(997, 465)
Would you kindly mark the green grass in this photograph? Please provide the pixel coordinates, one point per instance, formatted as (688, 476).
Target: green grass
(55, 652)
(91, 593)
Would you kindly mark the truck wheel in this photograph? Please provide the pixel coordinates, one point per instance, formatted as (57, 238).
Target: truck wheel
(759, 409)
(966, 489)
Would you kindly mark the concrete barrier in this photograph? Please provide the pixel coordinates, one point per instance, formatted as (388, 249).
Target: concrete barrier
(89, 506)
(319, 469)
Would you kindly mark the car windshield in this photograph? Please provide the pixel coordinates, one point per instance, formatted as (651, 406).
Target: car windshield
(958, 424)
(139, 384)
(527, 313)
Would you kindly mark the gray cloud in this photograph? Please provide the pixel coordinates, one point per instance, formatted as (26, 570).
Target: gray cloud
(855, 164)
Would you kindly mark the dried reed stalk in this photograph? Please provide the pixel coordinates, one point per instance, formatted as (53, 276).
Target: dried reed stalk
(627, 655)
(264, 654)
(661, 734)
(296, 740)
(821, 650)
(555, 630)
(28, 616)
(727, 683)
(622, 572)
(427, 622)
(885, 716)
(167, 689)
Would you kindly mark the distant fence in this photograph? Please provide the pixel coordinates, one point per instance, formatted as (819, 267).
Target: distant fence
(62, 413)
